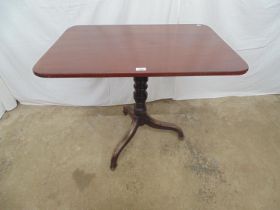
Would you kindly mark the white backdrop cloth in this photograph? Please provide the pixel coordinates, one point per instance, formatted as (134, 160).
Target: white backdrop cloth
(7, 101)
(30, 27)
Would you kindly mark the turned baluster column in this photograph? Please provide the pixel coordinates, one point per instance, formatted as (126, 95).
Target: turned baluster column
(140, 95)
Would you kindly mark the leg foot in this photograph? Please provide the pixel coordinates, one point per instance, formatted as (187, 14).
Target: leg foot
(165, 126)
(128, 110)
(121, 145)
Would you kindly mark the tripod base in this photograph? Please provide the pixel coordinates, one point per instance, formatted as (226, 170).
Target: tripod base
(140, 117)
(139, 120)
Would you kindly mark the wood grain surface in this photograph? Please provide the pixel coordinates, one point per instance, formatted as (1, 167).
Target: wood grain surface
(139, 51)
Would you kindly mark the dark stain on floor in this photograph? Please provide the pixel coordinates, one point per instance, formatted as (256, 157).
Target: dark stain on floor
(82, 179)
(208, 171)
(54, 196)
(203, 166)
(206, 194)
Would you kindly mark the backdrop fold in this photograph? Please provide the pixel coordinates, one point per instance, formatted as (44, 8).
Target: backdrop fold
(7, 101)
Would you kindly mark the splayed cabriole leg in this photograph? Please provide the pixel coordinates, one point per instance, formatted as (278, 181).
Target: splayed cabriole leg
(121, 145)
(165, 126)
(140, 117)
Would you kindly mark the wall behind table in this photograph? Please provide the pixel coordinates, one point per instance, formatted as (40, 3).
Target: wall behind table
(30, 27)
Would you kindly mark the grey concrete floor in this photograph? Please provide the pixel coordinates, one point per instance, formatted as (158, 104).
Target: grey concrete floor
(57, 158)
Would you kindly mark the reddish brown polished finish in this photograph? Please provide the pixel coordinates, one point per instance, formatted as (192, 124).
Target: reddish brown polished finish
(116, 51)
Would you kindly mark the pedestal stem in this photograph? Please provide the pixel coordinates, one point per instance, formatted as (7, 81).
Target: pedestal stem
(140, 95)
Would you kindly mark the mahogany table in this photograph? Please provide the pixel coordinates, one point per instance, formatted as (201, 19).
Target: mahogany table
(139, 51)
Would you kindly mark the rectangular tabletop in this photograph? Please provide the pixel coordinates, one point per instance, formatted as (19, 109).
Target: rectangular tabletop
(139, 51)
